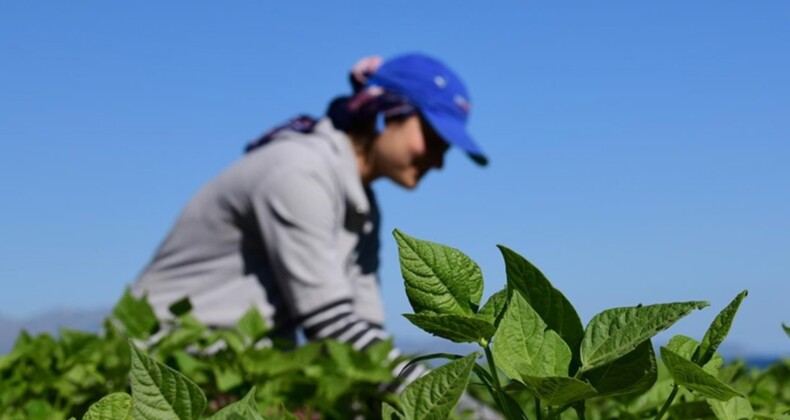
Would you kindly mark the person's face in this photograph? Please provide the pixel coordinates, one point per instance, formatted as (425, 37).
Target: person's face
(406, 150)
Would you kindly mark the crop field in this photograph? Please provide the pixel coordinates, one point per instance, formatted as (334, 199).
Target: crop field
(536, 360)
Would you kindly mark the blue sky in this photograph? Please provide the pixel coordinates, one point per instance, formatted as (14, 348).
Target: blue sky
(639, 151)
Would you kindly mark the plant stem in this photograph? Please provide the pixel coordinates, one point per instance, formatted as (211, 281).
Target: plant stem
(497, 386)
(538, 413)
(557, 413)
(580, 411)
(668, 402)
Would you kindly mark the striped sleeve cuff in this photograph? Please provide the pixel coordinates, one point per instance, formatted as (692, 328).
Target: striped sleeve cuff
(338, 321)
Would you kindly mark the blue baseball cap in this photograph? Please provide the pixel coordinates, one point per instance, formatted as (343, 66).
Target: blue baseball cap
(437, 92)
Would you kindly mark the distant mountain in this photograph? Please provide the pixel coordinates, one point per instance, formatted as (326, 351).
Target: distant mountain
(49, 322)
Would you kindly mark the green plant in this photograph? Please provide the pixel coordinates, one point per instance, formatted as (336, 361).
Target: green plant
(532, 334)
(159, 392)
(46, 377)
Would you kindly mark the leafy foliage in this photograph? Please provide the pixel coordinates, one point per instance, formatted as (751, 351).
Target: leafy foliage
(553, 363)
(539, 360)
(44, 377)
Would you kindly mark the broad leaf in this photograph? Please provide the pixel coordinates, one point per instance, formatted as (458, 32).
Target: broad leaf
(523, 347)
(180, 307)
(512, 407)
(117, 406)
(718, 331)
(243, 409)
(233, 339)
(735, 409)
(686, 347)
(388, 412)
(434, 395)
(558, 390)
(38, 409)
(439, 279)
(614, 333)
(457, 328)
(635, 372)
(188, 332)
(350, 363)
(688, 374)
(550, 304)
(691, 410)
(160, 392)
(492, 310)
(136, 316)
(226, 378)
(271, 362)
(252, 325)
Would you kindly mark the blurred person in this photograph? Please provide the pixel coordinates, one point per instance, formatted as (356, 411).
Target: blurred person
(292, 228)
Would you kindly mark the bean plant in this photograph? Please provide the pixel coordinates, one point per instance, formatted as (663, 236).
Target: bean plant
(536, 360)
(533, 342)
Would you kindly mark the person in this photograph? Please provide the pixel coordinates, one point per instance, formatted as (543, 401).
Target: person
(292, 228)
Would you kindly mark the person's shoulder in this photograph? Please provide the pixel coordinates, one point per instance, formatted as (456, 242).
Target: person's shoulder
(289, 149)
(290, 154)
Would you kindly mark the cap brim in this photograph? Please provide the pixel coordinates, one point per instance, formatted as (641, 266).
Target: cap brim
(454, 133)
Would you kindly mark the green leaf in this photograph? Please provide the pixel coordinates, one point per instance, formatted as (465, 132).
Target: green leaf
(389, 412)
(136, 315)
(180, 307)
(615, 332)
(439, 279)
(511, 407)
(350, 363)
(187, 363)
(635, 372)
(558, 390)
(117, 406)
(434, 395)
(524, 347)
(227, 378)
(243, 409)
(734, 409)
(39, 409)
(688, 374)
(234, 340)
(550, 304)
(691, 410)
(686, 347)
(160, 392)
(786, 328)
(718, 331)
(271, 362)
(189, 331)
(492, 310)
(252, 325)
(457, 328)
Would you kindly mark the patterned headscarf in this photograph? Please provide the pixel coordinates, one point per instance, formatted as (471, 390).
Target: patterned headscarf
(345, 112)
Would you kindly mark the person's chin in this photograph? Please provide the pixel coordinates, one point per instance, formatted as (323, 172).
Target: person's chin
(409, 183)
(412, 184)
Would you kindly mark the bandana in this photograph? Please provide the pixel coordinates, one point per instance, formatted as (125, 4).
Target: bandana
(366, 103)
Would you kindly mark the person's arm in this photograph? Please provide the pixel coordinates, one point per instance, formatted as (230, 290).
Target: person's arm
(338, 321)
(300, 218)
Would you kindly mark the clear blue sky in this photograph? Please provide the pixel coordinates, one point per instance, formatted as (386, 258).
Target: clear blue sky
(640, 150)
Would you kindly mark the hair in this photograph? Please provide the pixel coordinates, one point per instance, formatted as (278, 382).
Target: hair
(357, 114)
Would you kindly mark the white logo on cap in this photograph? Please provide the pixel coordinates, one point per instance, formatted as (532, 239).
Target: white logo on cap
(462, 102)
(439, 80)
